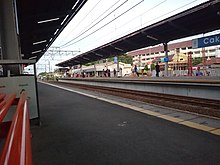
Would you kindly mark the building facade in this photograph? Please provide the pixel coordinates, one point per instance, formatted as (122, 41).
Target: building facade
(154, 54)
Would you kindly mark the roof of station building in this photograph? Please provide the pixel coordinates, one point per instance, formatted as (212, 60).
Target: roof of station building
(197, 20)
(41, 21)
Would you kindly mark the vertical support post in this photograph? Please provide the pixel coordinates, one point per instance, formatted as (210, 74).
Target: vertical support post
(190, 64)
(38, 108)
(9, 35)
(166, 56)
(118, 69)
(203, 61)
(95, 70)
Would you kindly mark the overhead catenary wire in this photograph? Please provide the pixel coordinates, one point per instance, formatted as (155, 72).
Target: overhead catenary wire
(81, 20)
(89, 28)
(105, 24)
(150, 20)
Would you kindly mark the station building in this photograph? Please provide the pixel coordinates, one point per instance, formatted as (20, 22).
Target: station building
(177, 54)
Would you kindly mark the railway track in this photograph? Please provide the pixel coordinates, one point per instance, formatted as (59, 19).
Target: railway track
(206, 107)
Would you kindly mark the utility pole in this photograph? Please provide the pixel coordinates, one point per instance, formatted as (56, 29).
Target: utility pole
(166, 56)
(190, 64)
(203, 61)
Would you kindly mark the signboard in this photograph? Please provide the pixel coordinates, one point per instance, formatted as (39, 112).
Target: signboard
(17, 84)
(115, 60)
(166, 59)
(206, 41)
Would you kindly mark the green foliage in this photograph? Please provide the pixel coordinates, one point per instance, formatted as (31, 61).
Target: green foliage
(152, 67)
(196, 61)
(42, 74)
(123, 58)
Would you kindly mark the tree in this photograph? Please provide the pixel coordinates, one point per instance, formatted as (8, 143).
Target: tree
(123, 58)
(196, 61)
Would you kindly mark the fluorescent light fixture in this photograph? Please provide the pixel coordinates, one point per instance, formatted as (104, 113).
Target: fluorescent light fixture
(98, 55)
(56, 32)
(75, 5)
(48, 20)
(38, 51)
(119, 49)
(65, 19)
(32, 57)
(39, 42)
(86, 58)
(51, 39)
(151, 37)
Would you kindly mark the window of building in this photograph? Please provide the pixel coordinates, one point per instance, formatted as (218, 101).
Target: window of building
(183, 48)
(212, 50)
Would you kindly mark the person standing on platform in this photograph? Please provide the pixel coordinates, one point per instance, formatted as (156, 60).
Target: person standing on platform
(114, 72)
(157, 67)
(135, 70)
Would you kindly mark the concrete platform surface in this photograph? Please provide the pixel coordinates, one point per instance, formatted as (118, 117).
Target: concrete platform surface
(80, 129)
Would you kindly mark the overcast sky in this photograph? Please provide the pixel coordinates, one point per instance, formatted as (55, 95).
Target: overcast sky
(101, 21)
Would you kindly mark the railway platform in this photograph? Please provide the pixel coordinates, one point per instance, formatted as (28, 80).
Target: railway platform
(82, 127)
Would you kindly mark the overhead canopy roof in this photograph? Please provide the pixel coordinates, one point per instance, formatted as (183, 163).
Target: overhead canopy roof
(41, 21)
(199, 19)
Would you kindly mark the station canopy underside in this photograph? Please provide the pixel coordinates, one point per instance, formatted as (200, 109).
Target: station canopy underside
(41, 21)
(197, 20)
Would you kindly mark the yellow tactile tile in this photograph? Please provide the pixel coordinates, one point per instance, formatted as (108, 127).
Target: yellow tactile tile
(197, 126)
(151, 113)
(170, 118)
(216, 132)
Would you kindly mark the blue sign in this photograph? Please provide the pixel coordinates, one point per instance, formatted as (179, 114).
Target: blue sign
(115, 59)
(166, 59)
(206, 41)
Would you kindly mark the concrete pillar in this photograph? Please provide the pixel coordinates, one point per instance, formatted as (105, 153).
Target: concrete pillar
(9, 35)
(118, 67)
(166, 56)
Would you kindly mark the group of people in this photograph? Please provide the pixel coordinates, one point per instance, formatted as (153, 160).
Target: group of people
(107, 73)
(157, 68)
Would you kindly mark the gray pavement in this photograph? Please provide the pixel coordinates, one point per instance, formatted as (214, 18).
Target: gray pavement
(77, 129)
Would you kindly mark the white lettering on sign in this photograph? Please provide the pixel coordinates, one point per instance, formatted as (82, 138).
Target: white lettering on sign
(211, 40)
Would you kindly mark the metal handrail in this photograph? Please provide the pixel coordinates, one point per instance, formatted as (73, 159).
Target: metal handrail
(5, 105)
(17, 148)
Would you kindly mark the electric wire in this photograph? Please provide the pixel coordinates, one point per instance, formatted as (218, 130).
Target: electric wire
(105, 24)
(148, 21)
(80, 21)
(87, 29)
(136, 17)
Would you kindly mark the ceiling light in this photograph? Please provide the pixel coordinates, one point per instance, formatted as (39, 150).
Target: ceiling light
(56, 31)
(38, 51)
(75, 5)
(39, 42)
(32, 57)
(65, 19)
(151, 37)
(48, 20)
(119, 49)
(86, 58)
(98, 55)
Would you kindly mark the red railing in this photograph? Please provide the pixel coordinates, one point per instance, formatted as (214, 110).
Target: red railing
(17, 148)
(5, 103)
